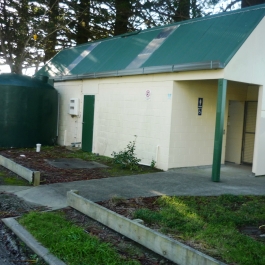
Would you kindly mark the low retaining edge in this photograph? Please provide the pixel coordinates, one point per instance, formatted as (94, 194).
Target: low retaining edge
(31, 176)
(157, 242)
(31, 242)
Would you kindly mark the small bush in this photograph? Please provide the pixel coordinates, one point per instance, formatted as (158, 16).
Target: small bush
(127, 158)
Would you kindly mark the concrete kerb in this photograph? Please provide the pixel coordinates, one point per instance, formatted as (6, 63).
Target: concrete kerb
(31, 176)
(159, 243)
(31, 242)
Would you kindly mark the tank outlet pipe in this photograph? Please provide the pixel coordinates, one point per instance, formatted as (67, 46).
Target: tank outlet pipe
(38, 146)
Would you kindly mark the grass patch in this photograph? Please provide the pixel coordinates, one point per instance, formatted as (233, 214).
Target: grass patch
(69, 242)
(7, 179)
(114, 170)
(213, 223)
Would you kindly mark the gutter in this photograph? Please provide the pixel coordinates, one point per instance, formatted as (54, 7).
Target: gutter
(208, 65)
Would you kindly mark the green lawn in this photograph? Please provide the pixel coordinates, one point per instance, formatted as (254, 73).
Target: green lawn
(12, 179)
(214, 224)
(69, 242)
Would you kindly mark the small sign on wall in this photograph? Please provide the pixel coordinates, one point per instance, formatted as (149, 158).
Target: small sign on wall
(200, 104)
(148, 94)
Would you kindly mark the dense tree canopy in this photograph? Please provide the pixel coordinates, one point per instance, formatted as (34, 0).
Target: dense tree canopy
(32, 32)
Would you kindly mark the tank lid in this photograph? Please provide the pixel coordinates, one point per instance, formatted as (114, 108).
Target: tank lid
(24, 81)
(42, 78)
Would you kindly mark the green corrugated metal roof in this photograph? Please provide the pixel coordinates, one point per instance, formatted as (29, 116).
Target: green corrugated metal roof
(207, 39)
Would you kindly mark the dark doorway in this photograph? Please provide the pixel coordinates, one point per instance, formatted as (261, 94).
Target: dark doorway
(249, 131)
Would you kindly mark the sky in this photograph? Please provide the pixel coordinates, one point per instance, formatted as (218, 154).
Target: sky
(6, 69)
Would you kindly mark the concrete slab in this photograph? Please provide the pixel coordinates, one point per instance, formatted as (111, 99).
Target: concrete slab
(235, 180)
(13, 189)
(43, 195)
(71, 163)
(185, 181)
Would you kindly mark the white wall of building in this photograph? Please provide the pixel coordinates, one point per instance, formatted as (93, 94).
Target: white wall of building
(122, 111)
(167, 124)
(70, 127)
(248, 65)
(192, 136)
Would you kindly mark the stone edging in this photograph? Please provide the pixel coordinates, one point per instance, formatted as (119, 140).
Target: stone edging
(31, 242)
(31, 176)
(157, 242)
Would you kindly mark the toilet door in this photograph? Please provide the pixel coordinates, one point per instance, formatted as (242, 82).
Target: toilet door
(249, 131)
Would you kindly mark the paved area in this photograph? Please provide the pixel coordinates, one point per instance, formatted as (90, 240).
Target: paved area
(235, 179)
(68, 163)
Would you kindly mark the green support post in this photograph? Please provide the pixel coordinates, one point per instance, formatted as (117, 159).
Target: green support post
(219, 127)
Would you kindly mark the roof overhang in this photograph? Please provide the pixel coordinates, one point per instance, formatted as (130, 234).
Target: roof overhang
(209, 65)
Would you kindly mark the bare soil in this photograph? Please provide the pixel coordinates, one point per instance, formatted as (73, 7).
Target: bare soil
(37, 161)
(127, 207)
(12, 250)
(124, 246)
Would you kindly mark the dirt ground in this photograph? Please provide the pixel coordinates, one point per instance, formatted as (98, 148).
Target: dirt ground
(16, 253)
(12, 251)
(12, 206)
(124, 246)
(37, 161)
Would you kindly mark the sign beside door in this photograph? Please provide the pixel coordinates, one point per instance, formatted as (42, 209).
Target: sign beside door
(200, 104)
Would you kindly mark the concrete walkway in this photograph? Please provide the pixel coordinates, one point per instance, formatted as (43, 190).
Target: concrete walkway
(235, 179)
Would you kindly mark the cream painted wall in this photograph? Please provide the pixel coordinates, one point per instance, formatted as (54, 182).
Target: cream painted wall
(248, 65)
(192, 136)
(70, 128)
(124, 111)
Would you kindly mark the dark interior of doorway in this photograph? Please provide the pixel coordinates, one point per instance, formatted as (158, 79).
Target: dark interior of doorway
(249, 131)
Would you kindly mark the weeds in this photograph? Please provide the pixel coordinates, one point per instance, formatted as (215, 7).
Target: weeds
(153, 163)
(127, 158)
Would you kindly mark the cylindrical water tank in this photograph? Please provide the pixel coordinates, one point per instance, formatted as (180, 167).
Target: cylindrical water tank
(28, 111)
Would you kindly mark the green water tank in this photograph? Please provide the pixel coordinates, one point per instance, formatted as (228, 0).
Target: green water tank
(28, 111)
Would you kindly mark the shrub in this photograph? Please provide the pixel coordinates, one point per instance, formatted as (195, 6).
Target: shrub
(127, 158)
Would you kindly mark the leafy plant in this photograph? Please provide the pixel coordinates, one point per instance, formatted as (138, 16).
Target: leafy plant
(127, 158)
(153, 163)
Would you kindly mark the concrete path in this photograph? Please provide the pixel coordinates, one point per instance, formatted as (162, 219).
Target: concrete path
(185, 181)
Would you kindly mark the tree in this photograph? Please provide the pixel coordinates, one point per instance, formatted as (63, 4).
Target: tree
(246, 3)
(51, 27)
(123, 10)
(16, 31)
(59, 24)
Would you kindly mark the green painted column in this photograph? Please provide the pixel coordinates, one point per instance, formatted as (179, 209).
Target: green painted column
(219, 127)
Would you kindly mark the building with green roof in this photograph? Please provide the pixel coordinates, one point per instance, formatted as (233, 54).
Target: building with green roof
(192, 92)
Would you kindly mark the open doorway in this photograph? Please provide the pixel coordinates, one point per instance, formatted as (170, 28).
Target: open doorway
(234, 137)
(249, 131)
(241, 126)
